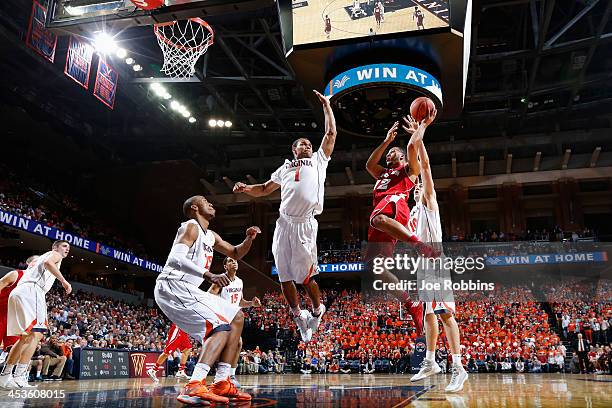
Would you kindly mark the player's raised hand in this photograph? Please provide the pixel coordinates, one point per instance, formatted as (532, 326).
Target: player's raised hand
(67, 287)
(240, 188)
(256, 302)
(219, 279)
(431, 115)
(322, 98)
(392, 133)
(410, 125)
(252, 232)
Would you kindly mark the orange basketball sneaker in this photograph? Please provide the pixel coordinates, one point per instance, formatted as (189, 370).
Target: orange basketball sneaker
(227, 388)
(196, 393)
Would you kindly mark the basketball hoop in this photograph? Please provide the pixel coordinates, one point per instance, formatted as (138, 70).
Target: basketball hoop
(183, 43)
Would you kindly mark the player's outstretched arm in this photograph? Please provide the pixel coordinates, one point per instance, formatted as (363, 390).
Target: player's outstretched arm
(51, 266)
(8, 279)
(179, 260)
(429, 192)
(329, 139)
(256, 190)
(372, 165)
(236, 251)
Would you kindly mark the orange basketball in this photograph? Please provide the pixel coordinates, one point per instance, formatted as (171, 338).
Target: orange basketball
(420, 107)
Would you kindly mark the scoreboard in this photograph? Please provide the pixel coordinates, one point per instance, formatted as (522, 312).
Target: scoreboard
(104, 364)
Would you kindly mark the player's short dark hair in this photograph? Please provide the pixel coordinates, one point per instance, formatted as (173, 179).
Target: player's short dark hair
(59, 242)
(402, 151)
(227, 259)
(30, 258)
(296, 141)
(187, 206)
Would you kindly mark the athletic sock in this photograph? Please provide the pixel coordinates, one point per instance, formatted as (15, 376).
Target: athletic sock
(200, 372)
(223, 370)
(296, 311)
(8, 369)
(20, 369)
(233, 371)
(430, 355)
(457, 359)
(317, 312)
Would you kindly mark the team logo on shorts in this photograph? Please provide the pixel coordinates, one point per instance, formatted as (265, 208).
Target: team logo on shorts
(420, 347)
(138, 359)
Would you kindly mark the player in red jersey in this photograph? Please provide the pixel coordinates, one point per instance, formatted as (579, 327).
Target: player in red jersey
(177, 340)
(7, 284)
(389, 220)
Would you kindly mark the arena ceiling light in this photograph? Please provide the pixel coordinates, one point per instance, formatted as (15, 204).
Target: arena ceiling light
(192, 120)
(228, 123)
(137, 67)
(104, 43)
(121, 53)
(212, 122)
(129, 61)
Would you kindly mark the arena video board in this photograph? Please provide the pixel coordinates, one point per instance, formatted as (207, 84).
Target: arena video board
(328, 20)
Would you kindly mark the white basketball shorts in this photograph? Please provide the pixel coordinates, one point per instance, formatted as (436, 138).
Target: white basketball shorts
(294, 247)
(27, 310)
(194, 311)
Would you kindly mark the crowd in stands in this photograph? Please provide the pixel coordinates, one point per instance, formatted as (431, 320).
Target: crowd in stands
(506, 331)
(29, 199)
(555, 234)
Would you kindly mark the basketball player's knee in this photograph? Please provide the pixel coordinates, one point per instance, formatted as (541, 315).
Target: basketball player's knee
(238, 319)
(380, 221)
(240, 343)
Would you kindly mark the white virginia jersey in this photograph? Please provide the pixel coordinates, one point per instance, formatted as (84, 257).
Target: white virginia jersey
(302, 184)
(201, 253)
(232, 292)
(428, 226)
(39, 275)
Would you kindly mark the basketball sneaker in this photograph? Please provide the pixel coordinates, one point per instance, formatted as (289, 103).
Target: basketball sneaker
(428, 367)
(315, 321)
(226, 388)
(458, 377)
(302, 323)
(417, 311)
(153, 374)
(22, 382)
(235, 381)
(197, 393)
(7, 382)
(181, 374)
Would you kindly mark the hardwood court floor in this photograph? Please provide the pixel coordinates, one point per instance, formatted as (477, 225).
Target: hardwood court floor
(337, 390)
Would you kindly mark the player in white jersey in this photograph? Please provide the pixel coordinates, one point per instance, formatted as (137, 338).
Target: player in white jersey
(429, 230)
(27, 312)
(233, 294)
(214, 322)
(294, 246)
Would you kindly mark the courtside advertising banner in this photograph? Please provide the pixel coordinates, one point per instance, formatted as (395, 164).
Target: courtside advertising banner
(40, 39)
(105, 88)
(78, 61)
(141, 361)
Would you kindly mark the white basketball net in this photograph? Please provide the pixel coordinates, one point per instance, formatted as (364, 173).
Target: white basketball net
(183, 43)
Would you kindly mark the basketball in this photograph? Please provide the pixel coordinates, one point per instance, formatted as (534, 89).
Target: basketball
(420, 107)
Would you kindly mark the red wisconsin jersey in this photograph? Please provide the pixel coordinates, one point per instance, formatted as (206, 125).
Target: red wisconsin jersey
(391, 182)
(6, 292)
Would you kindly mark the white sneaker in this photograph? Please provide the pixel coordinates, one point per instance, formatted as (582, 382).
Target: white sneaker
(315, 321)
(22, 382)
(153, 374)
(302, 323)
(7, 382)
(182, 374)
(458, 377)
(234, 381)
(428, 367)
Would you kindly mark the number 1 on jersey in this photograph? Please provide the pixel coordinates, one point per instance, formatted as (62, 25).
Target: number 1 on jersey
(297, 174)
